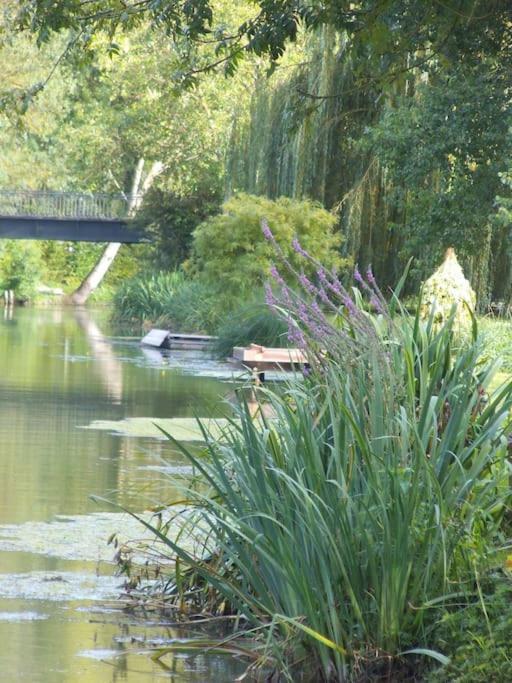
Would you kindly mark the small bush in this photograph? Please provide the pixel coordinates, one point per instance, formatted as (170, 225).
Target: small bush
(230, 252)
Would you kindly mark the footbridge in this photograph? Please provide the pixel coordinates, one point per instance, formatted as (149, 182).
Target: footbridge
(67, 216)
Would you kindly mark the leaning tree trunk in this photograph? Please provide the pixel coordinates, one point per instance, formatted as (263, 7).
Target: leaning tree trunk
(100, 269)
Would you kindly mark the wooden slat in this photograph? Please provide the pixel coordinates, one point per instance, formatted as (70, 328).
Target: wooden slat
(255, 355)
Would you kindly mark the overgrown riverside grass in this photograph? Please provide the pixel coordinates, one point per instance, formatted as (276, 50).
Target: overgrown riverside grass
(146, 295)
(172, 300)
(342, 527)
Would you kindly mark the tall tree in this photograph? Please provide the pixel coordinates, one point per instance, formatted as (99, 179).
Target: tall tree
(394, 28)
(139, 188)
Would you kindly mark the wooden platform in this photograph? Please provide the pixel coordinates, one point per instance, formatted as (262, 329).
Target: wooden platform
(164, 339)
(269, 358)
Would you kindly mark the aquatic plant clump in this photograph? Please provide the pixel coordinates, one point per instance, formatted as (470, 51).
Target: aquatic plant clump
(339, 527)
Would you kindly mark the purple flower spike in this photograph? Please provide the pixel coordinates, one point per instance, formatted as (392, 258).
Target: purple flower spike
(316, 309)
(270, 299)
(349, 305)
(376, 304)
(358, 277)
(295, 335)
(267, 232)
(323, 295)
(298, 248)
(307, 284)
(276, 275)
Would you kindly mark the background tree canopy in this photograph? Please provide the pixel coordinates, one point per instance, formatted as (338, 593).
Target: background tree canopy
(387, 31)
(396, 114)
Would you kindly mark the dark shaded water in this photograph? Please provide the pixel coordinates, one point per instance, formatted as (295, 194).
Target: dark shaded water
(61, 371)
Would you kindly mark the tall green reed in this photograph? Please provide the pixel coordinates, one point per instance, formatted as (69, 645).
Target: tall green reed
(148, 295)
(350, 517)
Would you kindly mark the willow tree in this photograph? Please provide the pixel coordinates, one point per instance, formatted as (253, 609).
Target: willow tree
(412, 164)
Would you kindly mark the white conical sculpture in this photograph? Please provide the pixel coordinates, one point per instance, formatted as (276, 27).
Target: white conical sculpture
(444, 289)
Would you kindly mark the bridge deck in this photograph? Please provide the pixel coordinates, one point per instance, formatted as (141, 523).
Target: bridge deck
(69, 230)
(66, 216)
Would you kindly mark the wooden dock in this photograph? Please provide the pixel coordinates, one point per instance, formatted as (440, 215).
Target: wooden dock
(164, 339)
(262, 358)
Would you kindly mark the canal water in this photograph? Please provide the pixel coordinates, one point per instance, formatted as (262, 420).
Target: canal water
(65, 376)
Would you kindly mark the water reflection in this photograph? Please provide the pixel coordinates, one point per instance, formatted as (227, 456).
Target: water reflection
(60, 370)
(108, 367)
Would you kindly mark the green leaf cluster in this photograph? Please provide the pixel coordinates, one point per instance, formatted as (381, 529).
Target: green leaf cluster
(230, 252)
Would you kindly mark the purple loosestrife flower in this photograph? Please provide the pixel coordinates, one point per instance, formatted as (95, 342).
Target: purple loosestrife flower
(270, 299)
(276, 275)
(303, 313)
(295, 335)
(299, 249)
(324, 296)
(349, 305)
(316, 309)
(374, 301)
(285, 296)
(307, 284)
(336, 287)
(267, 232)
(358, 277)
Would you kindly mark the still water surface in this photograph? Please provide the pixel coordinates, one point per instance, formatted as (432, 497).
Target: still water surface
(60, 371)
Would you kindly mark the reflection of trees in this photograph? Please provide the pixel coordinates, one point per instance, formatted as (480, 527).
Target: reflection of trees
(109, 367)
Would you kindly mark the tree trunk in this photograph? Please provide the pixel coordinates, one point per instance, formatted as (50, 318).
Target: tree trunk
(100, 269)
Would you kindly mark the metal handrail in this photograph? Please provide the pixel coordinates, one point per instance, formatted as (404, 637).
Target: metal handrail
(49, 204)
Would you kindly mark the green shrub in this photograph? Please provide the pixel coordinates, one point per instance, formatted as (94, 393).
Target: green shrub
(230, 252)
(171, 219)
(252, 323)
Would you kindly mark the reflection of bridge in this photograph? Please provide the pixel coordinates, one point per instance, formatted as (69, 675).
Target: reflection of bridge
(73, 216)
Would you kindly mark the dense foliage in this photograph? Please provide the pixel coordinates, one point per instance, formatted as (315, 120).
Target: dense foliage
(170, 219)
(230, 252)
(384, 32)
(395, 114)
(20, 269)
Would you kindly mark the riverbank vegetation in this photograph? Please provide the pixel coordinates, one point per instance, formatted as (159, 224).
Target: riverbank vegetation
(358, 527)
(361, 532)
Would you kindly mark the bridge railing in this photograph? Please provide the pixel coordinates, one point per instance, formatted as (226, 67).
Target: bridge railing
(45, 204)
